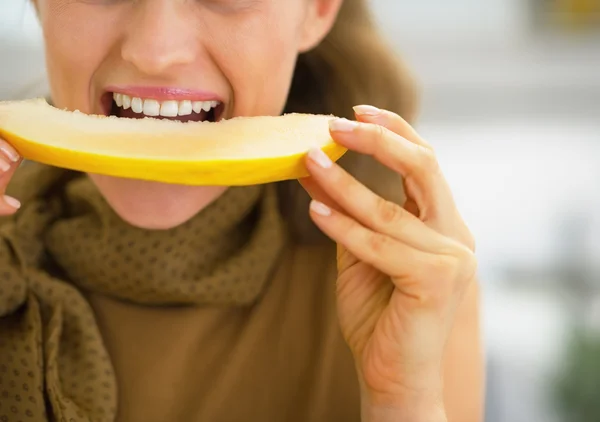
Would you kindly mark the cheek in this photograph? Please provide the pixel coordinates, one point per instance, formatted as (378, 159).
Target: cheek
(76, 42)
(258, 59)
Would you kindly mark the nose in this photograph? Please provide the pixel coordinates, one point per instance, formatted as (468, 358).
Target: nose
(159, 37)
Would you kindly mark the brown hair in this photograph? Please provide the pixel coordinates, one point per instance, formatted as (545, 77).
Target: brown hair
(353, 65)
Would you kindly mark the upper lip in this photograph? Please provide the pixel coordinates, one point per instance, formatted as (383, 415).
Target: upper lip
(161, 93)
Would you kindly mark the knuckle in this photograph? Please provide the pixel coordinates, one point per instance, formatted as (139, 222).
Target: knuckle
(388, 212)
(378, 243)
(443, 267)
(428, 162)
(447, 276)
(382, 140)
(469, 264)
(378, 133)
(459, 267)
(391, 115)
(470, 241)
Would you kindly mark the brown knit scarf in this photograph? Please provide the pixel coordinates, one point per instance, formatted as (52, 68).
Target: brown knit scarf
(66, 241)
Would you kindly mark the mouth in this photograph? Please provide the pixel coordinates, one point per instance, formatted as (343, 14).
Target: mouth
(123, 105)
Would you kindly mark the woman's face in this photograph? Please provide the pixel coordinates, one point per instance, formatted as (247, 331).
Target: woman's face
(177, 59)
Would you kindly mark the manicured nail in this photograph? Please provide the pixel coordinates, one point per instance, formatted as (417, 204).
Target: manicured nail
(366, 110)
(320, 208)
(4, 166)
(12, 201)
(10, 153)
(342, 125)
(320, 158)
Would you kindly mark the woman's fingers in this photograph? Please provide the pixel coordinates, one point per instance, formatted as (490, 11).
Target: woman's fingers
(9, 162)
(333, 186)
(417, 163)
(392, 121)
(427, 277)
(9, 152)
(388, 255)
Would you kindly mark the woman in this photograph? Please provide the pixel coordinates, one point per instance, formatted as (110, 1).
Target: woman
(136, 301)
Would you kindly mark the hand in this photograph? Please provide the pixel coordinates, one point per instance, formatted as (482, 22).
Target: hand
(9, 162)
(402, 270)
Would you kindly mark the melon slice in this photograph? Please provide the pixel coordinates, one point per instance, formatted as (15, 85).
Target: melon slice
(238, 151)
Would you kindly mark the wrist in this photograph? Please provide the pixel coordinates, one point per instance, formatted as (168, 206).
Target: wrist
(417, 398)
(411, 412)
(388, 415)
(423, 406)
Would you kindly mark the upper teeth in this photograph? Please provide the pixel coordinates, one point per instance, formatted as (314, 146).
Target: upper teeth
(168, 108)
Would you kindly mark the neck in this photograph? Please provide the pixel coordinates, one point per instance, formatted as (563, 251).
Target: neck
(153, 205)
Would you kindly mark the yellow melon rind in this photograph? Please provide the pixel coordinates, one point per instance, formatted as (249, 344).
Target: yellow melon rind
(188, 162)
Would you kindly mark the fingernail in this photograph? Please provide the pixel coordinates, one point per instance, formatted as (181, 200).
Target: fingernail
(10, 153)
(320, 158)
(4, 166)
(366, 110)
(320, 208)
(342, 125)
(12, 201)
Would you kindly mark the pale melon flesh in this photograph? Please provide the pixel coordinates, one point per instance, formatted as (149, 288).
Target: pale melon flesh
(238, 151)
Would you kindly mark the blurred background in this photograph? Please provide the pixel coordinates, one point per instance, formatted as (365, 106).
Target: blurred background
(511, 101)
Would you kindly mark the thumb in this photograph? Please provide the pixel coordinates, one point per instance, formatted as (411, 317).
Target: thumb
(9, 162)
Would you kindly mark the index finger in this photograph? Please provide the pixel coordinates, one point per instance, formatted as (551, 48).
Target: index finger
(389, 120)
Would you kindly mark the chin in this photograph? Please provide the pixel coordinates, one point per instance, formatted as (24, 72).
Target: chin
(153, 205)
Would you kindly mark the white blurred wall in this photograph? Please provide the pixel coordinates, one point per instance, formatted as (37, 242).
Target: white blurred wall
(513, 113)
(425, 20)
(22, 72)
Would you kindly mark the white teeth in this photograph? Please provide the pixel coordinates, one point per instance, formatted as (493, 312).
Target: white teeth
(170, 108)
(126, 102)
(118, 99)
(151, 108)
(137, 106)
(185, 108)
